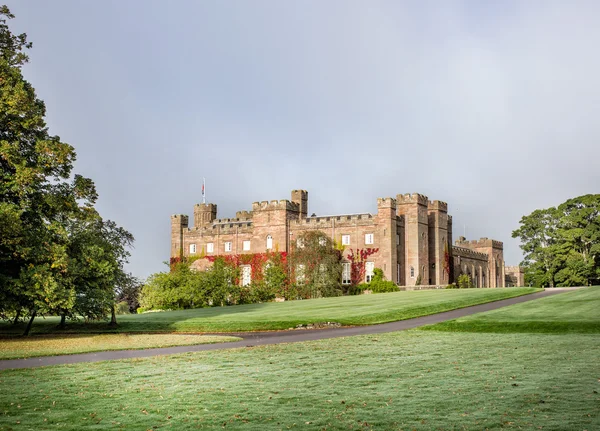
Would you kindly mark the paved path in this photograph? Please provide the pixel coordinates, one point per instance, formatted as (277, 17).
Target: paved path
(251, 339)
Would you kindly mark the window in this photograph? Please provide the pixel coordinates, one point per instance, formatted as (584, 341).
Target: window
(300, 274)
(398, 273)
(210, 247)
(412, 272)
(369, 267)
(345, 239)
(192, 248)
(246, 275)
(246, 245)
(269, 242)
(398, 239)
(369, 238)
(300, 243)
(322, 241)
(228, 246)
(346, 275)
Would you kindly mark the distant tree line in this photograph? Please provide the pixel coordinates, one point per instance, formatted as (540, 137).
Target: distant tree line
(561, 245)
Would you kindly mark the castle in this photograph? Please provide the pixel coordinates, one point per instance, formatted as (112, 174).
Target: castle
(412, 235)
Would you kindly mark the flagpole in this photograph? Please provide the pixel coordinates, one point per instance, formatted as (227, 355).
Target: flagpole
(203, 190)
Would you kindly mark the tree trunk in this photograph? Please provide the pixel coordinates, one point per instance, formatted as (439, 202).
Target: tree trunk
(62, 324)
(17, 317)
(113, 317)
(30, 323)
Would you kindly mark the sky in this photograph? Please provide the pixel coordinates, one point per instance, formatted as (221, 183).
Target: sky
(491, 106)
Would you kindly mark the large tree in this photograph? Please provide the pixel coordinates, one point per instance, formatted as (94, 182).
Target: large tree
(562, 245)
(43, 205)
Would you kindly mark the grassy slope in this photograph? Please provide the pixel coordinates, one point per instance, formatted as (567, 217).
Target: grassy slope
(412, 380)
(571, 312)
(64, 344)
(350, 310)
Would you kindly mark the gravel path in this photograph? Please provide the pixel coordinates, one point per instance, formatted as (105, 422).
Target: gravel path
(251, 339)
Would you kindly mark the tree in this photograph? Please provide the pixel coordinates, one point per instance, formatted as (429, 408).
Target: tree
(562, 245)
(316, 264)
(41, 202)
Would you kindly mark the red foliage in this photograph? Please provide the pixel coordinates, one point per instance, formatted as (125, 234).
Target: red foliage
(357, 263)
(256, 261)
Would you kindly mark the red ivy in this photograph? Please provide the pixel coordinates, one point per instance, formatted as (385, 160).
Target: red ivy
(357, 263)
(256, 261)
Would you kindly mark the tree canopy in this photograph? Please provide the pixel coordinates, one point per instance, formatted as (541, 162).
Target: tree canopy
(57, 255)
(562, 245)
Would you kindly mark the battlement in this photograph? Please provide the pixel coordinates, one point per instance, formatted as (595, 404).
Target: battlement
(437, 206)
(180, 218)
(481, 242)
(386, 203)
(206, 207)
(283, 204)
(468, 253)
(415, 198)
(326, 220)
(243, 215)
(513, 269)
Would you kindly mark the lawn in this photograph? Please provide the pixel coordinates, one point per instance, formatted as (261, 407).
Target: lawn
(48, 345)
(349, 310)
(411, 380)
(572, 312)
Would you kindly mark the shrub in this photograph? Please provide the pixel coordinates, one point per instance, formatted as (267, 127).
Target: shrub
(379, 284)
(464, 281)
(451, 286)
(359, 289)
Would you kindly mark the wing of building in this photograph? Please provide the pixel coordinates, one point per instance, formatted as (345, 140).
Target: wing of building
(412, 235)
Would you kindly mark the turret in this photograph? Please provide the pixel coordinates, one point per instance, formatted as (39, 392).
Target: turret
(300, 197)
(204, 214)
(179, 222)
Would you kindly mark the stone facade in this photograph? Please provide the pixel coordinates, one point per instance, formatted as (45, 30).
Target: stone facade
(515, 276)
(412, 234)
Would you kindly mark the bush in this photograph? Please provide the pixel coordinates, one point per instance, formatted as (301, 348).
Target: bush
(464, 281)
(379, 284)
(383, 286)
(451, 286)
(359, 289)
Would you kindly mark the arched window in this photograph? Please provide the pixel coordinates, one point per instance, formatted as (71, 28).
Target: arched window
(269, 242)
(412, 272)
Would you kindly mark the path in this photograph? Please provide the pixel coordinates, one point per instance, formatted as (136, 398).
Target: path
(252, 339)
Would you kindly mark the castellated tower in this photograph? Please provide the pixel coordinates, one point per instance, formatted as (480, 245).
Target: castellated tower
(413, 208)
(300, 197)
(179, 222)
(438, 242)
(387, 230)
(204, 214)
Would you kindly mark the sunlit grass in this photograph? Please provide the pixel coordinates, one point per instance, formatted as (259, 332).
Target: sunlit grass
(349, 310)
(48, 345)
(571, 312)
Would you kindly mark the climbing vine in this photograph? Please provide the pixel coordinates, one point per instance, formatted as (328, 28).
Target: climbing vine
(358, 259)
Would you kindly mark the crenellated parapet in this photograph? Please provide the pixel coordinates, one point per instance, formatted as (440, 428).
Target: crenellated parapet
(243, 215)
(386, 203)
(273, 205)
(414, 198)
(180, 219)
(437, 206)
(337, 219)
(468, 253)
(478, 243)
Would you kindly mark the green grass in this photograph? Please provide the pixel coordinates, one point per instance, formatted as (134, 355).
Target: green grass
(412, 380)
(349, 310)
(571, 312)
(50, 345)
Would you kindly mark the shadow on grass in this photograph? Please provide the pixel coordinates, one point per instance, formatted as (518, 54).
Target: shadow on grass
(163, 321)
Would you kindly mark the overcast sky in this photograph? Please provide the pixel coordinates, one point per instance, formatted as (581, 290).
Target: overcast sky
(491, 106)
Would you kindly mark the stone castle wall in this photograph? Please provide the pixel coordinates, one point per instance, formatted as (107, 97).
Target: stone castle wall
(413, 236)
